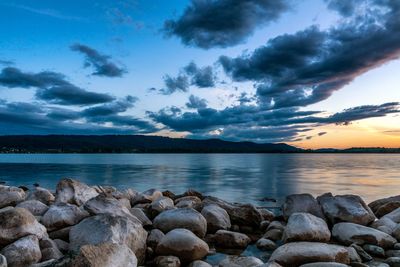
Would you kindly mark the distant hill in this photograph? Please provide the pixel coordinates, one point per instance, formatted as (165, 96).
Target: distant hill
(130, 144)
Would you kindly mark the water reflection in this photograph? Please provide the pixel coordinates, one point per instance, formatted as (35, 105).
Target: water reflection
(234, 177)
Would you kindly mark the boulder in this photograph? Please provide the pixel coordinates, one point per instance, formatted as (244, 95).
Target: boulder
(354, 257)
(167, 261)
(11, 196)
(16, 223)
(228, 239)
(74, 192)
(385, 225)
(62, 234)
(23, 252)
(217, 218)
(348, 233)
(392, 253)
(345, 208)
(49, 250)
(62, 215)
(154, 238)
(102, 204)
(36, 207)
(146, 197)
(241, 261)
(61, 245)
(276, 225)
(239, 214)
(183, 244)
(138, 213)
(306, 227)
(394, 216)
(267, 215)
(297, 253)
(274, 234)
(377, 264)
(105, 255)
(266, 244)
(393, 261)
(375, 205)
(41, 194)
(301, 203)
(3, 261)
(105, 228)
(193, 202)
(199, 264)
(387, 208)
(360, 251)
(161, 204)
(396, 232)
(181, 218)
(374, 250)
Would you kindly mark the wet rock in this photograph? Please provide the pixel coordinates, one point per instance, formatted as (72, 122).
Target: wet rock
(74, 192)
(199, 264)
(387, 208)
(138, 213)
(266, 244)
(393, 261)
(36, 207)
(394, 216)
(49, 250)
(62, 215)
(61, 245)
(146, 197)
(3, 261)
(348, 233)
(11, 196)
(161, 204)
(301, 203)
(375, 205)
(235, 261)
(374, 250)
(105, 255)
(167, 261)
(16, 223)
(377, 264)
(276, 225)
(23, 252)
(274, 234)
(239, 214)
(107, 228)
(183, 244)
(217, 218)
(228, 239)
(306, 227)
(102, 204)
(360, 251)
(385, 225)
(41, 194)
(188, 202)
(353, 255)
(396, 232)
(154, 238)
(297, 253)
(267, 215)
(181, 218)
(264, 225)
(345, 208)
(62, 234)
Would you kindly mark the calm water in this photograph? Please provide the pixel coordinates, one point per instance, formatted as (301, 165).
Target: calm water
(234, 177)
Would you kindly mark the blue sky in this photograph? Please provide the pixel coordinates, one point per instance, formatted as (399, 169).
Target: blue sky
(37, 36)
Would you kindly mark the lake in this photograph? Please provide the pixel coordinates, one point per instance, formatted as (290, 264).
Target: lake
(233, 177)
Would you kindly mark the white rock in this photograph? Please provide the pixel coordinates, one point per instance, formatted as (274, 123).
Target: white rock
(306, 227)
(62, 215)
(181, 218)
(23, 252)
(16, 223)
(183, 244)
(35, 207)
(217, 218)
(297, 253)
(41, 194)
(349, 233)
(74, 192)
(11, 196)
(138, 213)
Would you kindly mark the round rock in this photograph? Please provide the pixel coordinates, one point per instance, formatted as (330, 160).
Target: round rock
(217, 218)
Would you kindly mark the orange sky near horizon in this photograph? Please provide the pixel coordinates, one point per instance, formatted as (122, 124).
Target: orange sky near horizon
(377, 132)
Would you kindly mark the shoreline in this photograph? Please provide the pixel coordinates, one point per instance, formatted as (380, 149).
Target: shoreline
(82, 225)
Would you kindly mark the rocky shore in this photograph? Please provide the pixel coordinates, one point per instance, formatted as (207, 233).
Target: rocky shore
(82, 225)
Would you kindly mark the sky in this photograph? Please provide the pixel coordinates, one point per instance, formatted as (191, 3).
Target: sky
(313, 73)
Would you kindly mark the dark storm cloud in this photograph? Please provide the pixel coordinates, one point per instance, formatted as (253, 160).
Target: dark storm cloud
(177, 84)
(6, 62)
(196, 102)
(200, 77)
(307, 67)
(345, 8)
(112, 108)
(71, 95)
(27, 118)
(51, 87)
(223, 23)
(102, 64)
